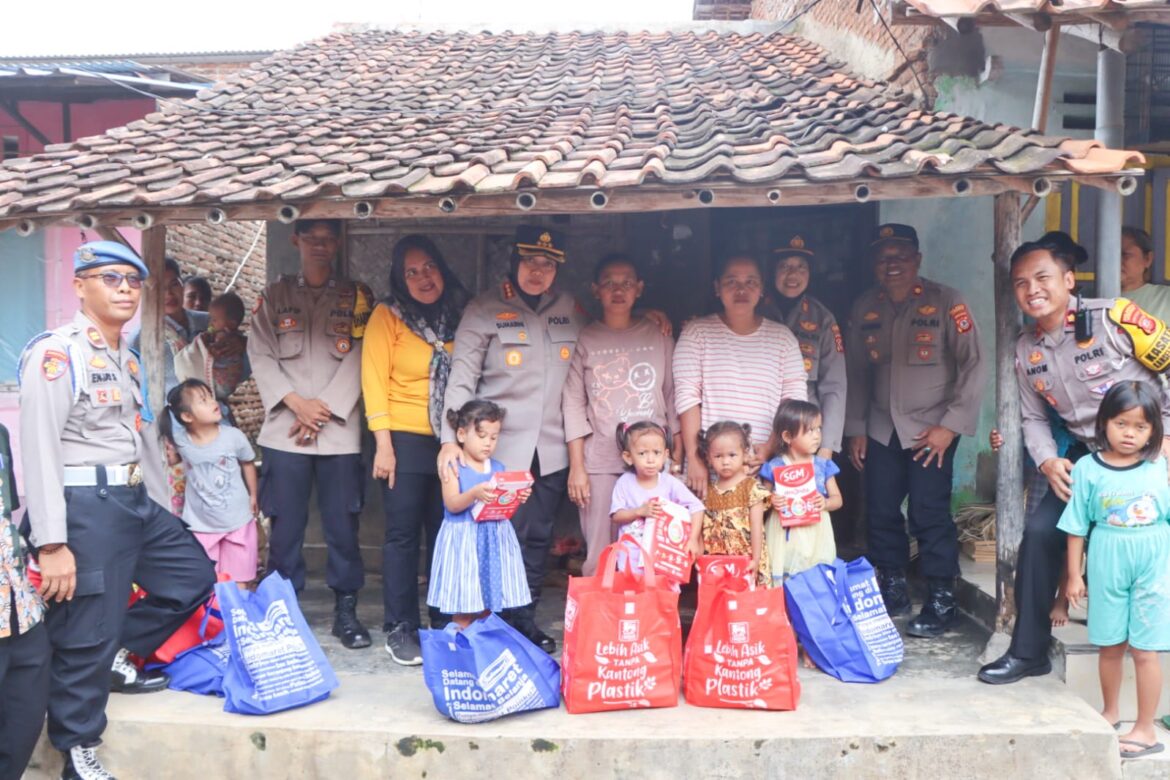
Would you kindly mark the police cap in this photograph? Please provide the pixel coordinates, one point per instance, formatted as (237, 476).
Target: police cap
(98, 253)
(538, 240)
(892, 231)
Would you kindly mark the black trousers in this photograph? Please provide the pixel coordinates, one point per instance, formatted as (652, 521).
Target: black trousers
(117, 536)
(24, 696)
(1038, 567)
(534, 522)
(413, 507)
(286, 481)
(890, 476)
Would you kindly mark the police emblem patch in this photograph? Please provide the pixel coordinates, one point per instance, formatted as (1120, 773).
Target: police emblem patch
(94, 336)
(343, 345)
(53, 364)
(1035, 357)
(807, 366)
(132, 367)
(97, 362)
(566, 353)
(870, 316)
(513, 358)
(927, 310)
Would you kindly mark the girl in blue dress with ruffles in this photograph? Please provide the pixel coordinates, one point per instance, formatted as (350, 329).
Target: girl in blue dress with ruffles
(477, 566)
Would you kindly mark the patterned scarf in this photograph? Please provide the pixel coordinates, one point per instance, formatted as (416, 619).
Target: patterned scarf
(436, 331)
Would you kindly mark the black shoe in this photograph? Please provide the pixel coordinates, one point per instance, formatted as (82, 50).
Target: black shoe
(346, 626)
(524, 621)
(895, 591)
(938, 614)
(81, 763)
(403, 646)
(1009, 669)
(541, 640)
(125, 677)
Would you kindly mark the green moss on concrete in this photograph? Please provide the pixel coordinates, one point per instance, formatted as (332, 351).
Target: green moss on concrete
(259, 740)
(408, 746)
(544, 746)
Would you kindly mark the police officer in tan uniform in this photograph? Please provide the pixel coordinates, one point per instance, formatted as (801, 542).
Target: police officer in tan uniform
(1065, 364)
(821, 345)
(916, 376)
(305, 350)
(93, 526)
(513, 347)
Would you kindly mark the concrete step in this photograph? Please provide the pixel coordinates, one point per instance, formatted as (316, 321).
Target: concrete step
(386, 726)
(1074, 658)
(931, 720)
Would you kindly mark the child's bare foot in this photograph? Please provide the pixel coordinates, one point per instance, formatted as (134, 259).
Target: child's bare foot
(805, 661)
(1059, 613)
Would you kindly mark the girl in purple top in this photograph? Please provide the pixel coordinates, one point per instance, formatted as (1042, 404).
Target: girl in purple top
(645, 484)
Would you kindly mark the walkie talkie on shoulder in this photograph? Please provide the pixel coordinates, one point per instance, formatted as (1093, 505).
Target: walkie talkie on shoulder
(1082, 323)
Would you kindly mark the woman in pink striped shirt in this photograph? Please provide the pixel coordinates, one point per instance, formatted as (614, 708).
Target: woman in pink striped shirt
(735, 365)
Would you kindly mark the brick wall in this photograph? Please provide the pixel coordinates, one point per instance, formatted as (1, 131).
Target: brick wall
(858, 39)
(215, 251)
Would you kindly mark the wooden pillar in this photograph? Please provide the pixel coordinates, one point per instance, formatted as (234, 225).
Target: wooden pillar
(1009, 482)
(154, 249)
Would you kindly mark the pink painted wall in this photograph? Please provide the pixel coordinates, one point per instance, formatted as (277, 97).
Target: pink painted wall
(88, 119)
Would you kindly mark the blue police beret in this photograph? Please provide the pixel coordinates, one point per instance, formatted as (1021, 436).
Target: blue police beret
(98, 253)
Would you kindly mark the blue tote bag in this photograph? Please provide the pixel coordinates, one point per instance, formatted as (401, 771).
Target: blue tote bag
(838, 614)
(486, 671)
(200, 669)
(274, 661)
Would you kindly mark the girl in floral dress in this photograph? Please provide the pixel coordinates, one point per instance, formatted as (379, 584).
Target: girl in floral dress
(734, 521)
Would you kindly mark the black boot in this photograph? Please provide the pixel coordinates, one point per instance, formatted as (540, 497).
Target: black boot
(346, 626)
(938, 613)
(895, 591)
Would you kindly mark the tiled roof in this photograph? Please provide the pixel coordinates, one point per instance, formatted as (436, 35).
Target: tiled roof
(384, 114)
(962, 8)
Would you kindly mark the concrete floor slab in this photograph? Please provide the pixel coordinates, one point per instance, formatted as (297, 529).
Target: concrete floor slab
(932, 720)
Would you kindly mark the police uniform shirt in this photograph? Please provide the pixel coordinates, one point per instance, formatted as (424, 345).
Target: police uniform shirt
(823, 351)
(519, 358)
(80, 405)
(1070, 377)
(307, 341)
(914, 365)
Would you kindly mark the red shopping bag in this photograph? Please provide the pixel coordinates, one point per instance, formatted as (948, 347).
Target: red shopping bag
(189, 634)
(741, 652)
(623, 640)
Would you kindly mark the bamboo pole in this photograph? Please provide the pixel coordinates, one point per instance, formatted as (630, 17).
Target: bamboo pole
(1009, 481)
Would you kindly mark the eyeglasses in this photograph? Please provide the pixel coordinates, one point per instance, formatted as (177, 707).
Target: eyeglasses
(609, 285)
(537, 263)
(114, 280)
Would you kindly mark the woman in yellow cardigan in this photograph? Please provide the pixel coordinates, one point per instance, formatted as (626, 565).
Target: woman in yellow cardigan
(406, 356)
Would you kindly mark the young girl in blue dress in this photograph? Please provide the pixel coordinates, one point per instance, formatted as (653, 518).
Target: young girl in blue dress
(477, 566)
(796, 438)
(1120, 493)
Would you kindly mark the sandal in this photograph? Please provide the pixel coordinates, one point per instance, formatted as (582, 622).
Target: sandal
(1146, 750)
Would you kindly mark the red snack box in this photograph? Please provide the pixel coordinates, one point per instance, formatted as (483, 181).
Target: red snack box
(666, 541)
(797, 486)
(508, 485)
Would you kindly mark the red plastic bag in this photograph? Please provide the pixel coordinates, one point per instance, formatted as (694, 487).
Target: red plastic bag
(623, 640)
(741, 652)
(189, 635)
